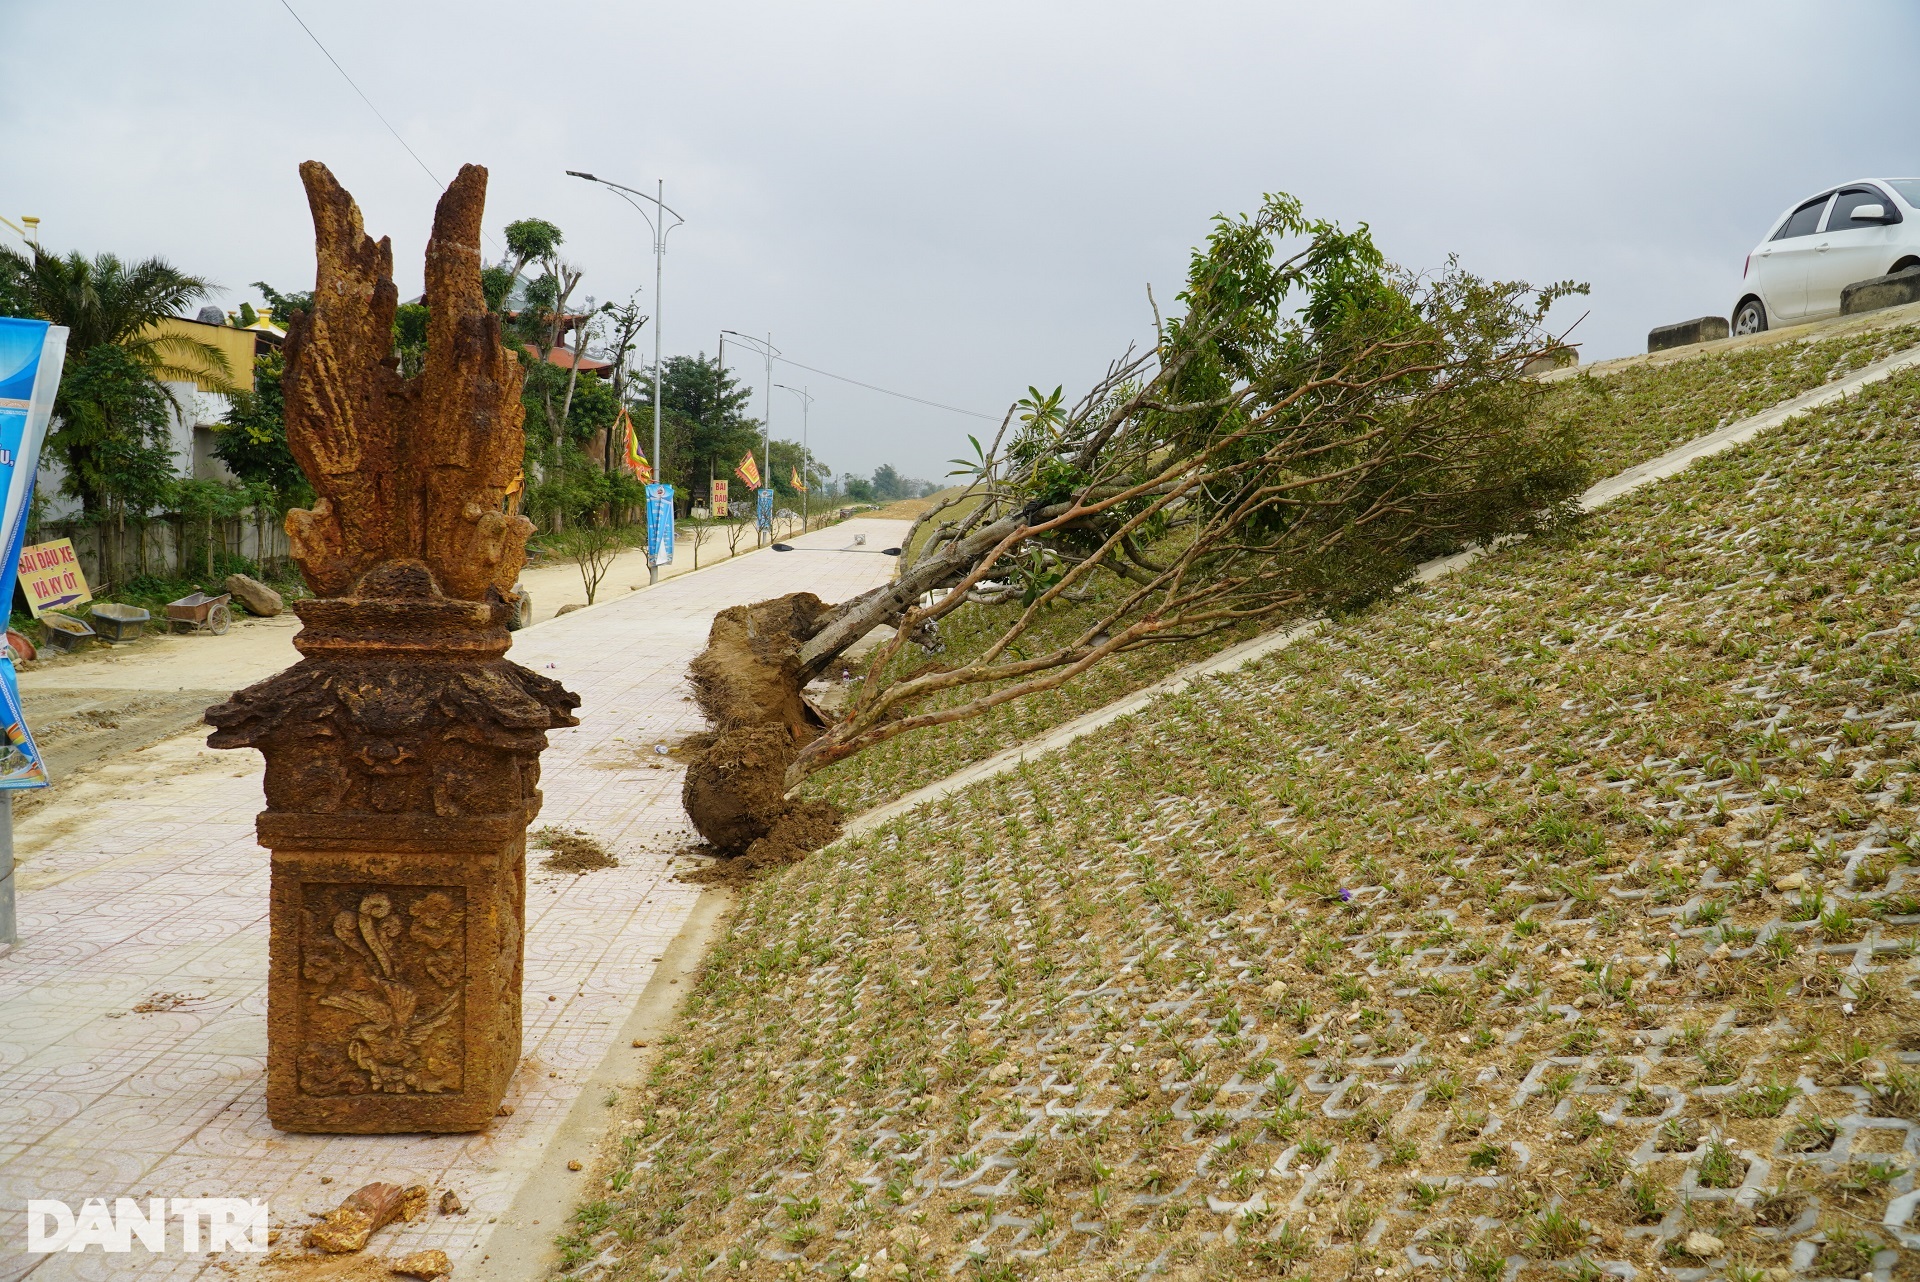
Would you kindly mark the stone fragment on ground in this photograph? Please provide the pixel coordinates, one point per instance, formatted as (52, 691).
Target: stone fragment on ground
(255, 595)
(368, 1209)
(421, 1264)
(1703, 1246)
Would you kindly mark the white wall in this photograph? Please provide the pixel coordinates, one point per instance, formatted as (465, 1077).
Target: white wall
(190, 440)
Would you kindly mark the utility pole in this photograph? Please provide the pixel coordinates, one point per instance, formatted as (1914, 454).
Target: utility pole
(659, 226)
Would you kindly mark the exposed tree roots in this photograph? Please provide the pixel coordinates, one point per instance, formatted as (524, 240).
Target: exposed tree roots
(748, 682)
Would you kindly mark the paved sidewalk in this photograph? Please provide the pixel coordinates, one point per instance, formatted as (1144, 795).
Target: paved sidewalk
(133, 1013)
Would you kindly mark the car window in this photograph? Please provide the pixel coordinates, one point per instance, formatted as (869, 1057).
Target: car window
(1805, 220)
(1841, 219)
(1908, 187)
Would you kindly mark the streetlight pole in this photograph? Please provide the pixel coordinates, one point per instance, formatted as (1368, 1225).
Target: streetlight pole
(659, 226)
(766, 348)
(806, 405)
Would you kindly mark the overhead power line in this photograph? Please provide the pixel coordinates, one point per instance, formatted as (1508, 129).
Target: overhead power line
(363, 96)
(370, 107)
(887, 391)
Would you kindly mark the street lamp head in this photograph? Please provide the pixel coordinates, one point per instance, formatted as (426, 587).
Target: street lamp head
(575, 173)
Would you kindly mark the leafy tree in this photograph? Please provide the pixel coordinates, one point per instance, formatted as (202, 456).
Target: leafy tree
(253, 440)
(283, 305)
(104, 300)
(789, 458)
(593, 409)
(624, 323)
(538, 319)
(203, 505)
(576, 493)
(885, 485)
(705, 427)
(112, 399)
(1314, 426)
(15, 298)
(529, 240)
(113, 441)
(410, 337)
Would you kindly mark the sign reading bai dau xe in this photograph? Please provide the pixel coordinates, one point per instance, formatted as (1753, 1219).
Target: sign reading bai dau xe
(51, 577)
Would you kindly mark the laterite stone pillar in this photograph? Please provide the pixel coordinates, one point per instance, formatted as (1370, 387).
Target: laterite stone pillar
(403, 750)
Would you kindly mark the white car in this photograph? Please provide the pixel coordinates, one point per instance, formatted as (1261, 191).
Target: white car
(1823, 244)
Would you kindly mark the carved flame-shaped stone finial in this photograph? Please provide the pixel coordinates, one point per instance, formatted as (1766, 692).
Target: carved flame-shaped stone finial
(413, 469)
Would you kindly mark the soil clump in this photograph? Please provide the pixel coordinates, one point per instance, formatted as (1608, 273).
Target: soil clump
(747, 682)
(574, 852)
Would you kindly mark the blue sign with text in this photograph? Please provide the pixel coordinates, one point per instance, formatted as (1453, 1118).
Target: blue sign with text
(660, 525)
(32, 353)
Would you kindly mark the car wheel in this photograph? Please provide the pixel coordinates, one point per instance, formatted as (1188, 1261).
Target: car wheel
(1750, 317)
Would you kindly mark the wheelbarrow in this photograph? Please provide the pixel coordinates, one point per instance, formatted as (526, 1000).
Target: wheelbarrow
(64, 632)
(117, 624)
(200, 613)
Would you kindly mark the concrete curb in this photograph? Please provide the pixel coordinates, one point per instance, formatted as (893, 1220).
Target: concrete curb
(1811, 332)
(1669, 464)
(521, 1245)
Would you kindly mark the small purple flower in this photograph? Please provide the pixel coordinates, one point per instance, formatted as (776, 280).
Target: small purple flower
(1346, 896)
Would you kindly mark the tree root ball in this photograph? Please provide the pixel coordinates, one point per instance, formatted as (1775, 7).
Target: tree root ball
(747, 682)
(736, 791)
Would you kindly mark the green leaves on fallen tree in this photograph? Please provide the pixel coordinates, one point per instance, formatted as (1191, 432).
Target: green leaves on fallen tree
(1315, 424)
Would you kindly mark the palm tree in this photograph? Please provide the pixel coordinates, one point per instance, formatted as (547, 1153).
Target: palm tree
(112, 405)
(103, 300)
(111, 408)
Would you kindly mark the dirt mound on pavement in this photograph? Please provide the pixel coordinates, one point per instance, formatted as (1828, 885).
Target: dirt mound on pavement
(574, 852)
(747, 681)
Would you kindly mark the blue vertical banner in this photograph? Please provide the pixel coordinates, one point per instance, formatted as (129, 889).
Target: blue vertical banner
(32, 353)
(660, 525)
(763, 510)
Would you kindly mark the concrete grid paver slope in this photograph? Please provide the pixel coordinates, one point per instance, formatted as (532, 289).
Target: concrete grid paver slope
(159, 900)
(1565, 912)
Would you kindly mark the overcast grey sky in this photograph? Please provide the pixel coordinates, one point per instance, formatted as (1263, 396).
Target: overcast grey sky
(960, 200)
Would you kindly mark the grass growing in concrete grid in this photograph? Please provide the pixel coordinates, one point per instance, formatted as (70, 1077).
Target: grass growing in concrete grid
(1565, 911)
(1640, 413)
(1631, 417)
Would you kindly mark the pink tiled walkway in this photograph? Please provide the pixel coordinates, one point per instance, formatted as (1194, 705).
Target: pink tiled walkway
(160, 897)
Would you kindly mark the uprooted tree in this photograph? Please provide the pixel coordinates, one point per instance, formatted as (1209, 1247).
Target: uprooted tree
(1315, 425)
